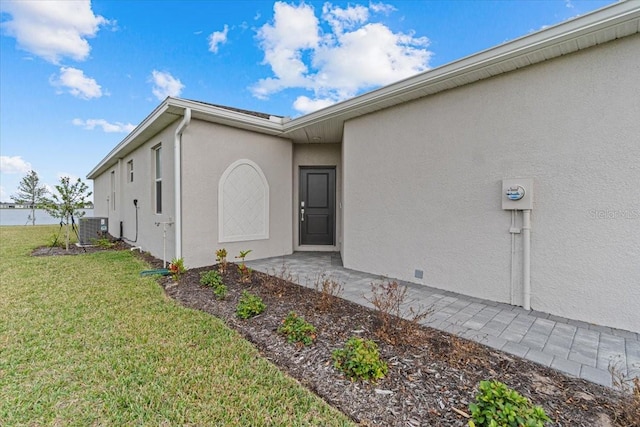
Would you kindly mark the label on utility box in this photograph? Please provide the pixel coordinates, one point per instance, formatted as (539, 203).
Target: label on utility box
(517, 194)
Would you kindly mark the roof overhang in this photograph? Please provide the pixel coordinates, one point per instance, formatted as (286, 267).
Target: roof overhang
(172, 109)
(326, 126)
(607, 24)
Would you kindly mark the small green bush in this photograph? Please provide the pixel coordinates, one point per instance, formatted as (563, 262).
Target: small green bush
(103, 242)
(497, 405)
(55, 242)
(220, 291)
(177, 268)
(297, 330)
(211, 278)
(360, 359)
(250, 305)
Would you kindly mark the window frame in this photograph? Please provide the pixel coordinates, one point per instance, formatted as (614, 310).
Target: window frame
(157, 179)
(112, 185)
(130, 170)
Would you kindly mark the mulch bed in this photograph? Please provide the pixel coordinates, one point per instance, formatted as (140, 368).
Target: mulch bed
(77, 250)
(431, 379)
(427, 379)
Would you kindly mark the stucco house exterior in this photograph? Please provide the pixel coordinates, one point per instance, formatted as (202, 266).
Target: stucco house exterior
(420, 180)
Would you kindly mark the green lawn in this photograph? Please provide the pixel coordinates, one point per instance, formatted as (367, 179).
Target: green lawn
(85, 341)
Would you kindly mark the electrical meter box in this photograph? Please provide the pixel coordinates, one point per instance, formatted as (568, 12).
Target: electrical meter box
(517, 194)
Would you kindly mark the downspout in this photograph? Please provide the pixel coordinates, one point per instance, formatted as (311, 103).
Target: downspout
(526, 258)
(178, 178)
(119, 198)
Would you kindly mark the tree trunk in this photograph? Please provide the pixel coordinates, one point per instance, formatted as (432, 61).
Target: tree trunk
(67, 240)
(33, 215)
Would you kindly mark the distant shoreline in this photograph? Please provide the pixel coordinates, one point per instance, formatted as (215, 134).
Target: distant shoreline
(5, 205)
(21, 216)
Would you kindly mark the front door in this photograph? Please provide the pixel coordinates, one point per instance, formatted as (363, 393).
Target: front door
(317, 205)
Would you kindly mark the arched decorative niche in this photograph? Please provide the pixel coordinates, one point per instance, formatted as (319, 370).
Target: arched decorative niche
(243, 203)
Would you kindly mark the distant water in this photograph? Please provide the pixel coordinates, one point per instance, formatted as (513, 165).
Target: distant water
(21, 217)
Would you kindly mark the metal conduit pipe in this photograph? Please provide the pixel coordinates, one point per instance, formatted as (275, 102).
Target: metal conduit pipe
(526, 258)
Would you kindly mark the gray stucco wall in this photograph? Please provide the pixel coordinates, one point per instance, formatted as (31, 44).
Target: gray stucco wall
(422, 186)
(207, 151)
(150, 235)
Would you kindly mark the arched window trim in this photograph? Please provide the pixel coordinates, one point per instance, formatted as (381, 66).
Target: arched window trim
(222, 237)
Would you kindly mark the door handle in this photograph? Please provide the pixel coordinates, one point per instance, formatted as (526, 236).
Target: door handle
(302, 215)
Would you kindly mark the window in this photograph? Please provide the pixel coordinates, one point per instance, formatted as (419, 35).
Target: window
(158, 178)
(130, 170)
(113, 190)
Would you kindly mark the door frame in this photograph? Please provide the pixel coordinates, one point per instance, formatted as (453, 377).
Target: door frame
(334, 203)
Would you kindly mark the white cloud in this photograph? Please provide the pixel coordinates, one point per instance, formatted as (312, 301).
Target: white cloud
(13, 165)
(164, 84)
(340, 19)
(3, 194)
(53, 29)
(370, 56)
(334, 65)
(382, 8)
(91, 124)
(305, 105)
(217, 38)
(77, 83)
(295, 29)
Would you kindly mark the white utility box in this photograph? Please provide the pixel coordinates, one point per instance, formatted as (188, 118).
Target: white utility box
(517, 194)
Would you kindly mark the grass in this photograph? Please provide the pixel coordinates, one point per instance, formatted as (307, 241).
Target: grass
(84, 340)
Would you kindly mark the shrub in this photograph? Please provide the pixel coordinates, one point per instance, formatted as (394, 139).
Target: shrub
(210, 278)
(177, 268)
(221, 259)
(297, 330)
(220, 291)
(249, 305)
(213, 279)
(55, 242)
(397, 325)
(103, 242)
(627, 412)
(360, 359)
(245, 272)
(329, 290)
(498, 405)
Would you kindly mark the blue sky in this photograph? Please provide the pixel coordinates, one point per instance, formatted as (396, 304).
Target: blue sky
(77, 76)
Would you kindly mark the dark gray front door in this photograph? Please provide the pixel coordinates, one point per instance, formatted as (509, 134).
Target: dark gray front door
(317, 205)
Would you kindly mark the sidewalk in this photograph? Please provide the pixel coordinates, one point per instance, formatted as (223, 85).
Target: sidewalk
(573, 347)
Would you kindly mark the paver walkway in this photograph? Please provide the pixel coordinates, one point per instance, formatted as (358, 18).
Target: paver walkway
(573, 347)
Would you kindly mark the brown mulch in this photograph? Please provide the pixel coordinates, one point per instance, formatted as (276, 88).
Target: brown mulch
(77, 250)
(431, 380)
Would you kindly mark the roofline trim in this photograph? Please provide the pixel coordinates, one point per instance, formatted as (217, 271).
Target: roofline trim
(509, 51)
(178, 106)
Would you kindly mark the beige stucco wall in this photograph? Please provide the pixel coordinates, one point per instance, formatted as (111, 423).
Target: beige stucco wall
(316, 155)
(150, 235)
(207, 151)
(100, 192)
(422, 186)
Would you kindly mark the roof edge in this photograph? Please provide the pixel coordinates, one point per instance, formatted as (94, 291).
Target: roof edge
(157, 112)
(609, 16)
(201, 111)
